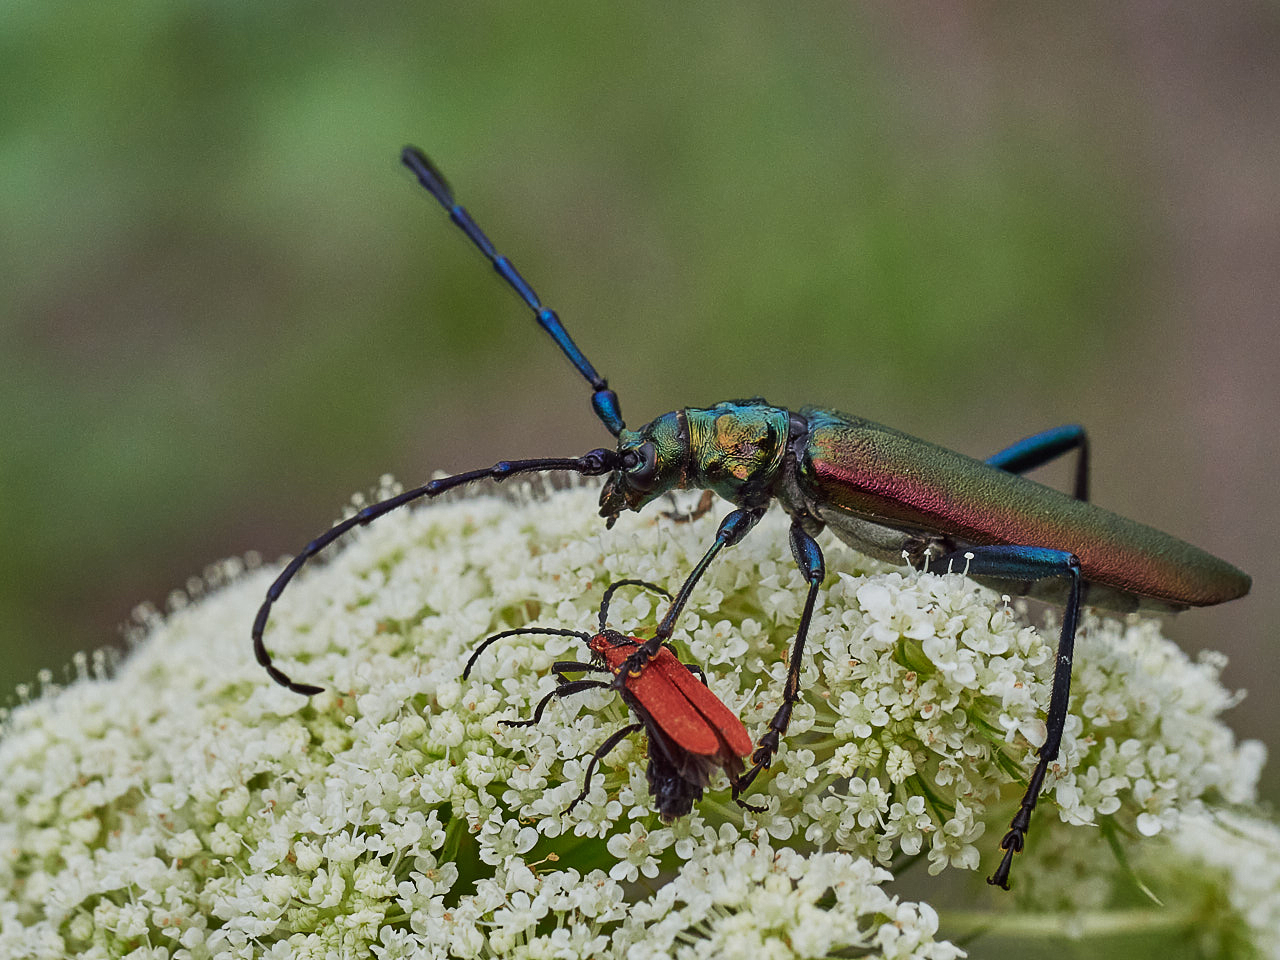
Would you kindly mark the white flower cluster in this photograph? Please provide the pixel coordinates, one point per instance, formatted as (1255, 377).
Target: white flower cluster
(186, 806)
(747, 901)
(1239, 855)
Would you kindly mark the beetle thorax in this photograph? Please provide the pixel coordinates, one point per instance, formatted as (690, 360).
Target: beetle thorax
(737, 449)
(612, 648)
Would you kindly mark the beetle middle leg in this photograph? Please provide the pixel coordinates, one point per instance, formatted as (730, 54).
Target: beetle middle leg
(808, 557)
(566, 688)
(1027, 564)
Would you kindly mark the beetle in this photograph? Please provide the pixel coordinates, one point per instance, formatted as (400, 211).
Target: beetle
(691, 731)
(889, 494)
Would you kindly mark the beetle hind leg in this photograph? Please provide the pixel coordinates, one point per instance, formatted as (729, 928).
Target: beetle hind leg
(615, 738)
(808, 557)
(1029, 564)
(1049, 445)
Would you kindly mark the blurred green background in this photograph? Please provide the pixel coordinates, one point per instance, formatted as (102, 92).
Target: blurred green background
(226, 306)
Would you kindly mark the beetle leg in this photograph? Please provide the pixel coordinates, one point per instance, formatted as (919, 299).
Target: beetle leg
(808, 557)
(738, 785)
(519, 632)
(1040, 449)
(693, 668)
(614, 739)
(700, 509)
(561, 667)
(733, 528)
(1028, 564)
(565, 688)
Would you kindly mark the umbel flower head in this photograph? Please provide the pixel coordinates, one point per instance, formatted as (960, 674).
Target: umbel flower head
(184, 805)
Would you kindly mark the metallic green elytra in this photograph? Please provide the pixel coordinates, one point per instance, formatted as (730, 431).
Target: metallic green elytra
(852, 468)
(885, 492)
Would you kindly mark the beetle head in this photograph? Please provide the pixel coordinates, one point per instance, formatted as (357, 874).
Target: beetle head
(651, 461)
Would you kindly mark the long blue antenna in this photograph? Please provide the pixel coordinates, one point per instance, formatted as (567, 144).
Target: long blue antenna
(603, 400)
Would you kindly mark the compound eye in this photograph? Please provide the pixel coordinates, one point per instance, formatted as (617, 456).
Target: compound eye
(642, 472)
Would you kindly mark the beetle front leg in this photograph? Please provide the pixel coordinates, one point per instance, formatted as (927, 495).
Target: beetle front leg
(808, 557)
(1029, 564)
(700, 509)
(732, 529)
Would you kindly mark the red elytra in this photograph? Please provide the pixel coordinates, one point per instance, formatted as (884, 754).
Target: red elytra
(691, 731)
(677, 701)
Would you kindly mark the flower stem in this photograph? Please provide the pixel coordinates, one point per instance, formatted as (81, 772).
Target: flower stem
(1099, 923)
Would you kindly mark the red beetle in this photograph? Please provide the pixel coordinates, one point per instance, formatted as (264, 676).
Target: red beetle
(691, 731)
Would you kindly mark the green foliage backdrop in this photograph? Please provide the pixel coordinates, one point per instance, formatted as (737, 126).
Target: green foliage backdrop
(226, 307)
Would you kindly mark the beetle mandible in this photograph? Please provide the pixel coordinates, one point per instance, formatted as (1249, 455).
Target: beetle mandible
(884, 492)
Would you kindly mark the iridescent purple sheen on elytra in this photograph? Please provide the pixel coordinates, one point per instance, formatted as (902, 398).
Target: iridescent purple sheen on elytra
(877, 472)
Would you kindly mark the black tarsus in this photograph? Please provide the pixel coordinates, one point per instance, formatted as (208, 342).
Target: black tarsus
(1055, 723)
(1024, 564)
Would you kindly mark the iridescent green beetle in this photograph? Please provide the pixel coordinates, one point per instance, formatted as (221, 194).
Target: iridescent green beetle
(887, 493)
